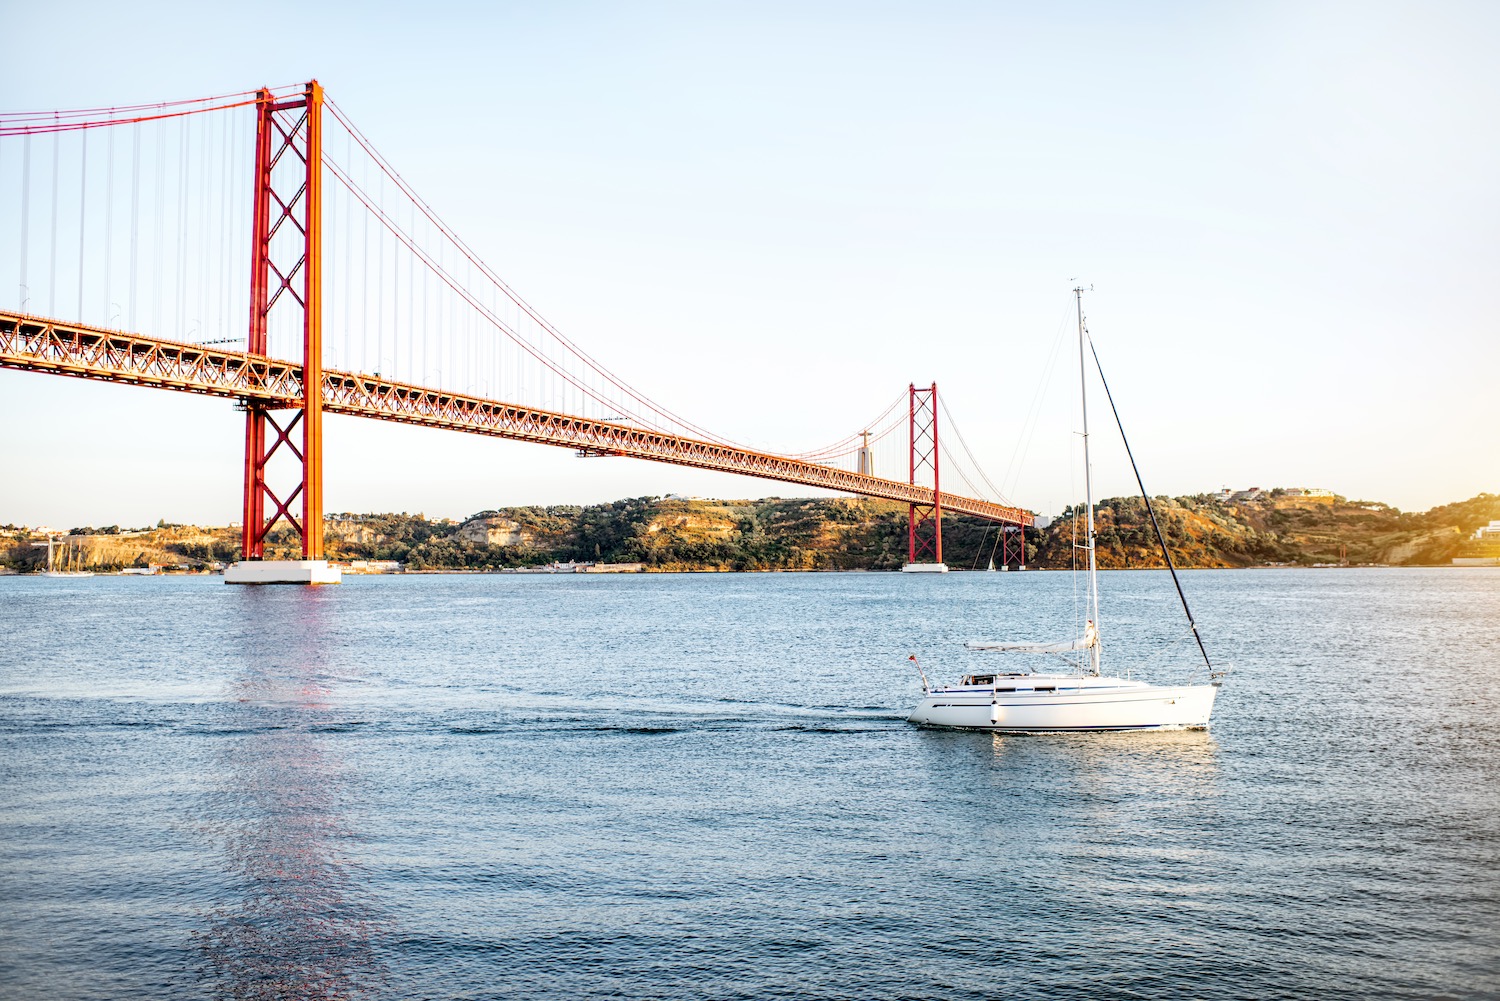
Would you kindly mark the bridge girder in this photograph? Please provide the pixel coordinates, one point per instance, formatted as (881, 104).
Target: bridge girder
(38, 344)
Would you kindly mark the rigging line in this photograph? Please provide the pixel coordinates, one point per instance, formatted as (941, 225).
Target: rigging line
(1150, 508)
(979, 551)
(485, 270)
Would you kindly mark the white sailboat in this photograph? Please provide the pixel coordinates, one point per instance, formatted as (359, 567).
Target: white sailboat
(51, 570)
(1083, 698)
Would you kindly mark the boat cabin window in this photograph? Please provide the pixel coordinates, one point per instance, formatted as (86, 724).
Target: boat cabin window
(980, 679)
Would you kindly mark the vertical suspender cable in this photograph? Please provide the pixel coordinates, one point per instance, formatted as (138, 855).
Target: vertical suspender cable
(396, 309)
(180, 332)
(468, 315)
(380, 287)
(411, 313)
(109, 220)
(198, 262)
(135, 213)
(348, 276)
(330, 253)
(425, 273)
(83, 193)
(52, 253)
(23, 291)
(156, 219)
(364, 294)
(227, 236)
(445, 352)
(200, 296)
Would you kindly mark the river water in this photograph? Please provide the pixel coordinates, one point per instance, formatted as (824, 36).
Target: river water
(703, 786)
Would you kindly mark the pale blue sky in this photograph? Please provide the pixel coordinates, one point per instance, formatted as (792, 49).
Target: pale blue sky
(772, 218)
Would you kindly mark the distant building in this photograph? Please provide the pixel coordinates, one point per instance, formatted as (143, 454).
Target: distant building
(374, 566)
(1304, 496)
(1489, 533)
(611, 568)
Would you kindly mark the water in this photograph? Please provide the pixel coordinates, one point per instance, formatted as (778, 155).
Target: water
(702, 786)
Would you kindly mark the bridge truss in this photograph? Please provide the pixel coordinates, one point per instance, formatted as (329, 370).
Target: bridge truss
(36, 344)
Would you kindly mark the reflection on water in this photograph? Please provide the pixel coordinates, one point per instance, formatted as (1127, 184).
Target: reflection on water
(1178, 753)
(301, 924)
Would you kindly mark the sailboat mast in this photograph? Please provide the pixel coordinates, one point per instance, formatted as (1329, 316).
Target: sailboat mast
(1088, 483)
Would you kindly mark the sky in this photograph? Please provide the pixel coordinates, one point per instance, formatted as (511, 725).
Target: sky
(773, 217)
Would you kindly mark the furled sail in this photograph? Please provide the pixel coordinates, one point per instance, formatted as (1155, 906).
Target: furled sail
(1089, 638)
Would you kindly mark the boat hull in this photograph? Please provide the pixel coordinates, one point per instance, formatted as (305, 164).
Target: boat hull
(1138, 707)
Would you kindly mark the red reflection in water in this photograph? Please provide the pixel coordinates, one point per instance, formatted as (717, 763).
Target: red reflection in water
(301, 925)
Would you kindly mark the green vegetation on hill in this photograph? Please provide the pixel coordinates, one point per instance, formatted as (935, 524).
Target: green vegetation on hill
(1275, 527)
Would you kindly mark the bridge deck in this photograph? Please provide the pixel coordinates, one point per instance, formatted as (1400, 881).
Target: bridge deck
(37, 344)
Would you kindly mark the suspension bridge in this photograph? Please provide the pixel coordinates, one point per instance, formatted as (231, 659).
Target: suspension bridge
(135, 227)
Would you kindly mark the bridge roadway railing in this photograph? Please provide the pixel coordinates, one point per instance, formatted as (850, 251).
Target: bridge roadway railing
(37, 344)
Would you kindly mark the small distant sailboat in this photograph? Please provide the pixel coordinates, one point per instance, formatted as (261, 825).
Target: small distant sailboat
(1085, 698)
(991, 568)
(52, 570)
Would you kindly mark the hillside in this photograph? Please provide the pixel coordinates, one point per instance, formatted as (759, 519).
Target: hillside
(1262, 529)
(1274, 528)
